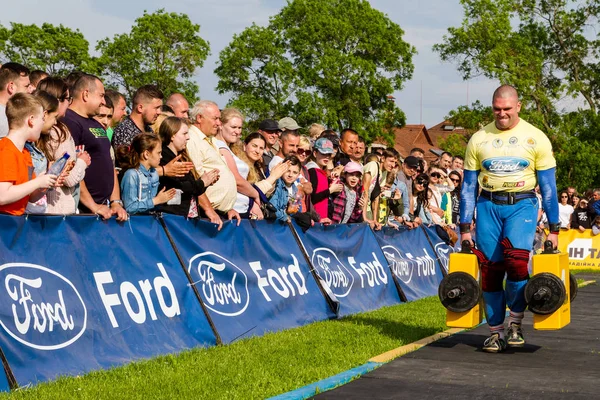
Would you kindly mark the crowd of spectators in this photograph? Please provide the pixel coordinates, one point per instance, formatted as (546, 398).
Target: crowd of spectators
(196, 160)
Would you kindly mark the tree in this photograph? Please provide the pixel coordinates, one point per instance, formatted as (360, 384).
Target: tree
(471, 118)
(542, 47)
(55, 49)
(162, 49)
(255, 69)
(454, 143)
(332, 61)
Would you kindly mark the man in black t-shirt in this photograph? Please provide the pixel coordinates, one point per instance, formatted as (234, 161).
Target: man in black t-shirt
(100, 192)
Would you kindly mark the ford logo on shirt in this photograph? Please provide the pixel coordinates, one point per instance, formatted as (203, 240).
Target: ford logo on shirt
(39, 307)
(505, 165)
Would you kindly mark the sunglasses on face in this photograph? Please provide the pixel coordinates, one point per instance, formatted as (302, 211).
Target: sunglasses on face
(455, 180)
(435, 175)
(564, 197)
(305, 152)
(420, 182)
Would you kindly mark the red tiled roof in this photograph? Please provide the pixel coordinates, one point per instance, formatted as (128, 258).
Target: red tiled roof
(443, 130)
(410, 136)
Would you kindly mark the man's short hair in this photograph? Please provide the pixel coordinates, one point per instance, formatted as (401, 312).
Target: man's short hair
(393, 151)
(347, 130)
(387, 153)
(146, 94)
(10, 72)
(361, 140)
(84, 82)
(167, 109)
(19, 107)
(114, 96)
(36, 76)
(415, 149)
(505, 91)
(200, 107)
(72, 78)
(446, 153)
(286, 134)
(108, 103)
(458, 158)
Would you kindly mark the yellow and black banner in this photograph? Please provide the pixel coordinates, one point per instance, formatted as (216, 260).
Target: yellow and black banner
(583, 248)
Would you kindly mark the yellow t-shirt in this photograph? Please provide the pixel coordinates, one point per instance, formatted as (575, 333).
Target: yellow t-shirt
(507, 160)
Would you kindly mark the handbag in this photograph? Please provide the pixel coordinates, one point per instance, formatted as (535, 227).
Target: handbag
(447, 234)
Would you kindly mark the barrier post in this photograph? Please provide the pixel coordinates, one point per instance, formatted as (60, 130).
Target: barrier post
(187, 274)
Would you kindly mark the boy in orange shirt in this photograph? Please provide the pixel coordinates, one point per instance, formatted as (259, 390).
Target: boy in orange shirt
(18, 183)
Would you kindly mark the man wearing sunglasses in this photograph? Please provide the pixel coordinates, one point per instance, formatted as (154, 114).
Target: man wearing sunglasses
(507, 158)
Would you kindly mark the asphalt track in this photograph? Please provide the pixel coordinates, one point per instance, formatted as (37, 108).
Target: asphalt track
(563, 364)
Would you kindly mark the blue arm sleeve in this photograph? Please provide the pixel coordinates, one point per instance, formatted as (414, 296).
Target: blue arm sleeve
(547, 181)
(468, 195)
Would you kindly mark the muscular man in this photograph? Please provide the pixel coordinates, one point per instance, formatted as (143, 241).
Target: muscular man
(506, 159)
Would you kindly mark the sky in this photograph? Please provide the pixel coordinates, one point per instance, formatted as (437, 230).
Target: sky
(434, 90)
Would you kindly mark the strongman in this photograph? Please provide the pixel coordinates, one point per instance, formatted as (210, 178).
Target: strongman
(507, 159)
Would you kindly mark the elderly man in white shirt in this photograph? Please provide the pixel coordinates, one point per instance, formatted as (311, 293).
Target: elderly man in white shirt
(220, 196)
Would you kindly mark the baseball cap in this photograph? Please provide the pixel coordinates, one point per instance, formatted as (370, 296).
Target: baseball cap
(288, 123)
(269, 125)
(412, 162)
(333, 137)
(352, 167)
(324, 146)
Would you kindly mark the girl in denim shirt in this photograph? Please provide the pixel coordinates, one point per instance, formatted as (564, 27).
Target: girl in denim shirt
(139, 187)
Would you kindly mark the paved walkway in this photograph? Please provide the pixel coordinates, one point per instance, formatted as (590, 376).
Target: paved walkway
(563, 364)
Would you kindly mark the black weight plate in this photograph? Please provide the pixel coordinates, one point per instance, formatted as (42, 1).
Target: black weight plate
(555, 293)
(573, 287)
(469, 289)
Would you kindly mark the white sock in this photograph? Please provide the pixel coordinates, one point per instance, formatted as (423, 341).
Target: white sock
(515, 318)
(499, 329)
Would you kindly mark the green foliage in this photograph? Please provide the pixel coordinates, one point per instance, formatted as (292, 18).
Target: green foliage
(577, 151)
(454, 144)
(258, 367)
(162, 49)
(328, 61)
(471, 118)
(542, 47)
(55, 49)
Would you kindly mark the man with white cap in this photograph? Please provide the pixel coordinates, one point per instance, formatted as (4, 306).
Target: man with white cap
(288, 124)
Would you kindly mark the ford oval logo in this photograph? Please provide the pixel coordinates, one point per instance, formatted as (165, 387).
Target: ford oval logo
(223, 286)
(443, 252)
(337, 276)
(401, 267)
(505, 165)
(39, 307)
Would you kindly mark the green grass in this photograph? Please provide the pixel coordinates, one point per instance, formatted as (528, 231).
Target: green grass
(585, 271)
(257, 367)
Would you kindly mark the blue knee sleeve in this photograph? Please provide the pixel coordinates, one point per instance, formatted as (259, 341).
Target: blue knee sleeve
(495, 307)
(515, 295)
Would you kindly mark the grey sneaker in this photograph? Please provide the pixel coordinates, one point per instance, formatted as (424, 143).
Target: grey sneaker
(514, 336)
(494, 344)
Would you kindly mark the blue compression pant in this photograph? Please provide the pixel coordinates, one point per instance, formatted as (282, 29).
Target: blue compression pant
(496, 222)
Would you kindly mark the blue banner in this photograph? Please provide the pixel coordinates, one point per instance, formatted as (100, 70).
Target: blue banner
(349, 260)
(252, 278)
(441, 250)
(79, 294)
(4, 386)
(412, 261)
